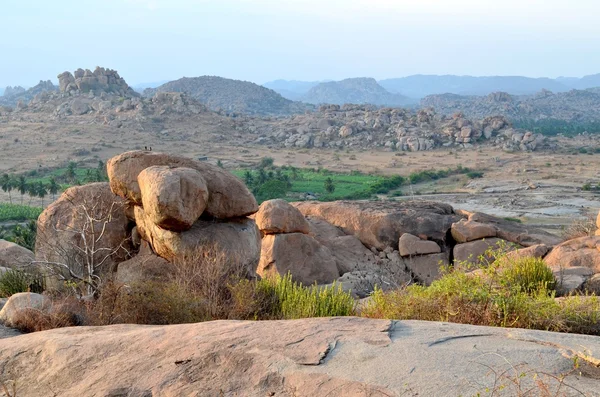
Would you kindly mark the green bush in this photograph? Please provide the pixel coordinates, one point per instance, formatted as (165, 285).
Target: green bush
(16, 212)
(528, 275)
(293, 300)
(475, 174)
(15, 281)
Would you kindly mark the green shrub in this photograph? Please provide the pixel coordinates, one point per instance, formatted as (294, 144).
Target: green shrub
(293, 300)
(15, 281)
(475, 174)
(528, 275)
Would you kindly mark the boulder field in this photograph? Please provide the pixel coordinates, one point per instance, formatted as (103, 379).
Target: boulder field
(312, 357)
(158, 208)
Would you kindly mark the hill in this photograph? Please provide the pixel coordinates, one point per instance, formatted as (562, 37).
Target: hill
(292, 89)
(231, 96)
(572, 106)
(355, 91)
(14, 95)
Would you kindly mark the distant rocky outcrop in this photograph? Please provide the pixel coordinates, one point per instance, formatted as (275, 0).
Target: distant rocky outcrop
(354, 91)
(574, 105)
(231, 96)
(364, 126)
(98, 81)
(13, 96)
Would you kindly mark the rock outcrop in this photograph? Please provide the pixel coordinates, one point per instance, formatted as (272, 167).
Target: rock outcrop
(278, 216)
(100, 80)
(332, 357)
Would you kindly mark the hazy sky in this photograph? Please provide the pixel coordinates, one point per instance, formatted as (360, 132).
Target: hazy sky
(262, 40)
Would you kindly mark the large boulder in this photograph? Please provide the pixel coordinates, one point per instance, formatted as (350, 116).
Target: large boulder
(380, 224)
(464, 231)
(579, 252)
(350, 254)
(236, 240)
(19, 302)
(278, 216)
(410, 245)
(535, 251)
(13, 256)
(299, 254)
(87, 223)
(471, 253)
(427, 268)
(228, 196)
(173, 198)
(144, 267)
(516, 232)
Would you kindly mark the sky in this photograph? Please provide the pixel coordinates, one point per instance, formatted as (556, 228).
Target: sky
(263, 40)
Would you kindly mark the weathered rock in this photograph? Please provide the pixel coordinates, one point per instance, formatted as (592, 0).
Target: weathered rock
(144, 267)
(470, 253)
(13, 256)
(572, 279)
(535, 251)
(410, 245)
(92, 211)
(173, 198)
(426, 268)
(592, 285)
(236, 240)
(380, 225)
(331, 357)
(299, 254)
(350, 254)
(516, 232)
(278, 216)
(19, 302)
(362, 283)
(464, 231)
(579, 252)
(228, 196)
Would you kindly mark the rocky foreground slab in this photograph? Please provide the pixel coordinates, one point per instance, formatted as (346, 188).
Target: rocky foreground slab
(312, 357)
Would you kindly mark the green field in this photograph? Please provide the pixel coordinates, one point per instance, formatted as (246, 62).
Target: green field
(16, 212)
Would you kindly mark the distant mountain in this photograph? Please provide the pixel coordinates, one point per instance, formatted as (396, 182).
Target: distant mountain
(591, 81)
(572, 106)
(236, 96)
(142, 86)
(292, 89)
(356, 91)
(419, 86)
(1, 91)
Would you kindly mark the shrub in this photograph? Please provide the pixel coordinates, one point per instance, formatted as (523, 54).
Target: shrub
(15, 281)
(475, 174)
(32, 320)
(580, 228)
(528, 275)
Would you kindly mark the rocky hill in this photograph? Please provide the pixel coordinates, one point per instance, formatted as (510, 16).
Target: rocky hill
(13, 95)
(232, 96)
(574, 105)
(363, 126)
(354, 91)
(292, 89)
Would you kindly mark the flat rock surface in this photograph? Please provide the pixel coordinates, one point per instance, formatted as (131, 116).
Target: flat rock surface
(312, 357)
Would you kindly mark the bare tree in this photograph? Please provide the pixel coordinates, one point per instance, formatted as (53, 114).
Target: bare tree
(75, 247)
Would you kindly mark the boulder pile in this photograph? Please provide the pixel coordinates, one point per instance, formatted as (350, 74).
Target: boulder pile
(100, 80)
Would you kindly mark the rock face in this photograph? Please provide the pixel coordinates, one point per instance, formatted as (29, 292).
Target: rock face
(470, 252)
(14, 256)
(228, 196)
(426, 268)
(278, 216)
(22, 301)
(313, 357)
(579, 252)
(464, 231)
(302, 256)
(380, 225)
(515, 232)
(173, 198)
(237, 240)
(410, 245)
(92, 210)
(100, 80)
(143, 267)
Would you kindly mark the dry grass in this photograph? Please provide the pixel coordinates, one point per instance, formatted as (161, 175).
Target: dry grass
(581, 228)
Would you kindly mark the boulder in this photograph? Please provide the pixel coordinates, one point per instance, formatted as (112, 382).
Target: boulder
(464, 231)
(144, 267)
(572, 279)
(535, 251)
(410, 245)
(228, 196)
(278, 216)
(515, 232)
(350, 254)
(470, 253)
(173, 198)
(81, 215)
(19, 302)
(380, 224)
(579, 252)
(362, 283)
(299, 254)
(13, 256)
(593, 284)
(236, 240)
(426, 268)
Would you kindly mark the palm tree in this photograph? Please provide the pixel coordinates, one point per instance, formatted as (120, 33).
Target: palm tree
(53, 188)
(70, 174)
(32, 191)
(42, 191)
(22, 186)
(7, 185)
(248, 178)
